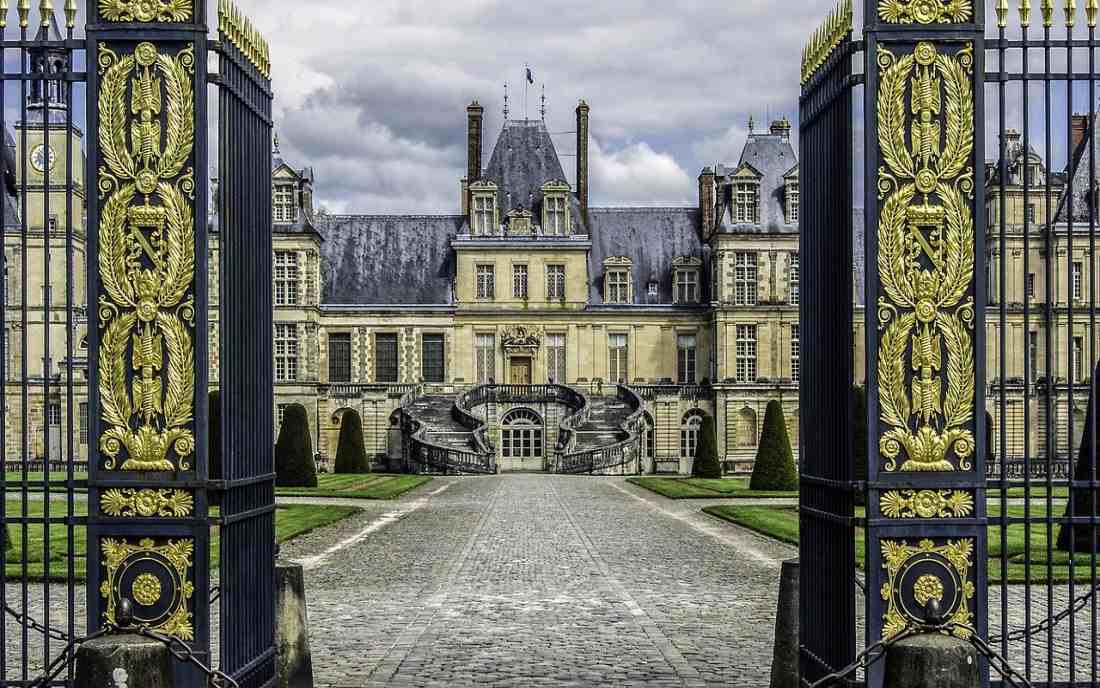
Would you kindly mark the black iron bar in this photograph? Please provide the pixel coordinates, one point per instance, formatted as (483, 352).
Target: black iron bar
(5, 351)
(24, 60)
(45, 94)
(1051, 386)
(69, 333)
(1091, 267)
(1001, 86)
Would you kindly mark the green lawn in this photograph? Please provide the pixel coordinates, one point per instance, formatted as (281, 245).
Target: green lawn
(781, 523)
(702, 488)
(366, 486)
(290, 522)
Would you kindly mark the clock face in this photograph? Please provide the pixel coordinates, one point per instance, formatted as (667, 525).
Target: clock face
(42, 158)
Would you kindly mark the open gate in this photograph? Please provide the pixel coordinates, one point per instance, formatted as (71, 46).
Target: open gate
(970, 283)
(111, 319)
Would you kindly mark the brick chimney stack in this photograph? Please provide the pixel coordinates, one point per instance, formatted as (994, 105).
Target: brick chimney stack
(707, 202)
(1080, 127)
(474, 116)
(582, 158)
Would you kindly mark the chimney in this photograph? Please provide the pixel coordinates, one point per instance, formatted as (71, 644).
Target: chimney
(782, 127)
(706, 202)
(1079, 128)
(474, 116)
(582, 158)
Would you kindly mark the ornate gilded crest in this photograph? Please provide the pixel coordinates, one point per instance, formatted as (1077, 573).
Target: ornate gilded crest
(146, 258)
(926, 259)
(926, 504)
(146, 10)
(133, 503)
(156, 578)
(926, 11)
(918, 573)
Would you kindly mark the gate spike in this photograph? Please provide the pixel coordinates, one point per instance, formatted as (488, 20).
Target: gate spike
(24, 10)
(3, 14)
(70, 13)
(1048, 13)
(45, 9)
(1002, 13)
(1091, 8)
(1071, 13)
(1025, 13)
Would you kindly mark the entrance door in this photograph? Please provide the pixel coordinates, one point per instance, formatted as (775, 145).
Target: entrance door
(520, 371)
(521, 441)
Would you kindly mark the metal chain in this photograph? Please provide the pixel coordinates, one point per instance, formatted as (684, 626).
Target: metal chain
(999, 663)
(863, 660)
(1049, 623)
(180, 650)
(66, 657)
(27, 621)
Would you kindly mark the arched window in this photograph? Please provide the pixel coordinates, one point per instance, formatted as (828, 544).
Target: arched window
(746, 427)
(650, 436)
(689, 433)
(521, 434)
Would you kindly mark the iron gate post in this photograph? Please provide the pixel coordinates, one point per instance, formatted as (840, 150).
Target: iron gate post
(925, 315)
(148, 535)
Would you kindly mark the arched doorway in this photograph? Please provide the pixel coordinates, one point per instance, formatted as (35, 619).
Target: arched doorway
(689, 433)
(522, 441)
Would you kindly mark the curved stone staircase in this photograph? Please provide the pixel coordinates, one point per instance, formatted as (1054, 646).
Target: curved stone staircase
(597, 435)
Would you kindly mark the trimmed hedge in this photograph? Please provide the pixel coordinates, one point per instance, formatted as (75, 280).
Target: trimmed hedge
(774, 469)
(294, 465)
(214, 445)
(1083, 501)
(5, 539)
(706, 463)
(351, 456)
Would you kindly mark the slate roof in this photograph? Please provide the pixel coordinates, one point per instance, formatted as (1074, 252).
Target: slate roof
(772, 156)
(387, 259)
(524, 159)
(652, 238)
(1084, 199)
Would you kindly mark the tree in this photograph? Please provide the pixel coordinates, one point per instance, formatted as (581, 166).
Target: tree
(774, 469)
(706, 451)
(1084, 501)
(294, 466)
(351, 457)
(859, 441)
(214, 445)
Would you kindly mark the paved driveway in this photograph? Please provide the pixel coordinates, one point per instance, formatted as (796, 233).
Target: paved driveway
(533, 580)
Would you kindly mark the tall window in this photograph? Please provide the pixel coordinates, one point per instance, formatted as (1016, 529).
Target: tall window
(485, 357)
(744, 203)
(285, 203)
(689, 433)
(1078, 282)
(53, 414)
(687, 286)
(1078, 362)
(385, 357)
(432, 355)
(555, 215)
(746, 353)
(555, 282)
(555, 358)
(484, 213)
(685, 359)
(286, 278)
(617, 370)
(1033, 353)
(744, 277)
(83, 415)
(486, 282)
(1030, 213)
(280, 412)
(1029, 286)
(796, 353)
(618, 286)
(794, 279)
(286, 352)
(519, 282)
(339, 357)
(793, 200)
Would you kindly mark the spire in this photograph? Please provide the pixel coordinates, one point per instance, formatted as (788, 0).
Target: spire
(275, 144)
(543, 108)
(751, 124)
(505, 103)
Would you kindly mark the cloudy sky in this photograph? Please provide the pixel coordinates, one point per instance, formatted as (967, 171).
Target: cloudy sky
(373, 95)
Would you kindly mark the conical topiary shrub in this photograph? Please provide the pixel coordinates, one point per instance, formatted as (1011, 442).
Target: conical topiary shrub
(5, 539)
(859, 441)
(1084, 501)
(774, 468)
(214, 445)
(351, 457)
(706, 463)
(294, 466)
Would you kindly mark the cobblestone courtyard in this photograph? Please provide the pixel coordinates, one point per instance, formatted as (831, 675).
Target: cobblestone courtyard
(537, 581)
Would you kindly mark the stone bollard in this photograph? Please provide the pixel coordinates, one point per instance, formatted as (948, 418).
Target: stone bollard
(785, 670)
(932, 660)
(123, 661)
(294, 660)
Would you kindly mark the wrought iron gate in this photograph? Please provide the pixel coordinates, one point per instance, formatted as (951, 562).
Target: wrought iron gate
(975, 327)
(108, 330)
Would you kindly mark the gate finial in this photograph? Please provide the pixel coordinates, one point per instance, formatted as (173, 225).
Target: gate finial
(1047, 6)
(1091, 8)
(24, 9)
(70, 13)
(45, 9)
(3, 14)
(1002, 13)
(1071, 13)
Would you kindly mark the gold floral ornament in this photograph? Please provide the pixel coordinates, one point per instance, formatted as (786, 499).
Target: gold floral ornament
(156, 577)
(146, 10)
(926, 259)
(146, 258)
(926, 11)
(147, 503)
(929, 571)
(926, 504)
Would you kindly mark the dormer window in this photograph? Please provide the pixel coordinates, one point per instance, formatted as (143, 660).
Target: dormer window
(792, 203)
(745, 203)
(285, 203)
(686, 272)
(483, 196)
(555, 208)
(519, 222)
(617, 281)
